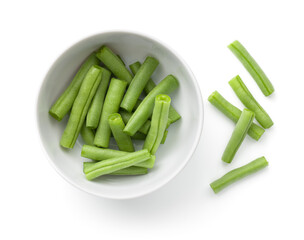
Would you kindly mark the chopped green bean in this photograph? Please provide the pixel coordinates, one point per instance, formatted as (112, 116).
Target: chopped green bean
(122, 139)
(252, 67)
(111, 105)
(164, 137)
(115, 164)
(81, 106)
(138, 83)
(114, 64)
(249, 101)
(233, 113)
(145, 109)
(94, 112)
(87, 134)
(125, 171)
(173, 114)
(99, 154)
(158, 123)
(238, 135)
(238, 174)
(126, 117)
(65, 102)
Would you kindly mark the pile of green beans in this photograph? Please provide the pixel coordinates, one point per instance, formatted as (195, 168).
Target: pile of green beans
(244, 120)
(104, 102)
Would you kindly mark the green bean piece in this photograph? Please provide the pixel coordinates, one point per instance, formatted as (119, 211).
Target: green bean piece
(114, 64)
(120, 59)
(111, 105)
(87, 134)
(99, 154)
(249, 101)
(158, 123)
(150, 84)
(173, 114)
(138, 83)
(252, 67)
(139, 136)
(238, 135)
(122, 139)
(125, 171)
(81, 106)
(164, 137)
(238, 174)
(94, 112)
(145, 109)
(65, 102)
(115, 164)
(126, 117)
(233, 113)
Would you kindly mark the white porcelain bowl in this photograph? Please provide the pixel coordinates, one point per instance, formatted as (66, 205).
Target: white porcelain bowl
(183, 135)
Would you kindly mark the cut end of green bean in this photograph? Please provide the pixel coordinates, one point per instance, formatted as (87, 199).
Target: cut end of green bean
(252, 67)
(238, 174)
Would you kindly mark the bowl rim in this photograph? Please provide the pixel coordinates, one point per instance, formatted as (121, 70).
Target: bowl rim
(173, 173)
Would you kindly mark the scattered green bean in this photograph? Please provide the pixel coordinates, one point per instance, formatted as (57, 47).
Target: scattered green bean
(249, 101)
(238, 135)
(238, 174)
(122, 139)
(115, 164)
(138, 83)
(99, 154)
(114, 64)
(87, 134)
(173, 114)
(111, 105)
(145, 109)
(94, 112)
(65, 102)
(158, 123)
(81, 106)
(233, 113)
(252, 67)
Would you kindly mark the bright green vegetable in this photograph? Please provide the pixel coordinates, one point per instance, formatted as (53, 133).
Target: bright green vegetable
(87, 134)
(111, 105)
(238, 135)
(173, 114)
(99, 154)
(65, 102)
(248, 100)
(145, 109)
(138, 83)
(115, 164)
(252, 67)
(125, 171)
(238, 173)
(81, 106)
(122, 139)
(164, 137)
(114, 63)
(126, 117)
(94, 112)
(158, 123)
(232, 112)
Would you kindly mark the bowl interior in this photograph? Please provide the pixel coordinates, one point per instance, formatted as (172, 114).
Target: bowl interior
(183, 135)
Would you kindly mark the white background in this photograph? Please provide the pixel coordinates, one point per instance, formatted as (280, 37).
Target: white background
(36, 203)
